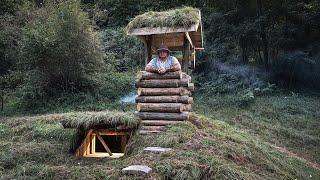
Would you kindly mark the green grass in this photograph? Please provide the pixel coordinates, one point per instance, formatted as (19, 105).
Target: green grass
(181, 17)
(290, 121)
(37, 147)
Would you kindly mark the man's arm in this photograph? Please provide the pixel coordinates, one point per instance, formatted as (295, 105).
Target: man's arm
(175, 67)
(150, 67)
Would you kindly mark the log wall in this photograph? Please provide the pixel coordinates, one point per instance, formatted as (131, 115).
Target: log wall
(163, 99)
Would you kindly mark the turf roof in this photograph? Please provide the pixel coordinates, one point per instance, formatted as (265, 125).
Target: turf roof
(183, 17)
(107, 118)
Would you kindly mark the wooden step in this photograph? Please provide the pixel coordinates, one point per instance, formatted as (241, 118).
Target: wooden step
(144, 132)
(163, 116)
(158, 122)
(152, 128)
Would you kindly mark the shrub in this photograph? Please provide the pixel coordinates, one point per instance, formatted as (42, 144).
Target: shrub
(60, 52)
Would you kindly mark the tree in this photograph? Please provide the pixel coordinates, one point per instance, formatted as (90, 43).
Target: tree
(60, 50)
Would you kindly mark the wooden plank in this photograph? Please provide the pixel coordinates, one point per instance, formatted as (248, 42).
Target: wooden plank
(88, 140)
(103, 144)
(80, 150)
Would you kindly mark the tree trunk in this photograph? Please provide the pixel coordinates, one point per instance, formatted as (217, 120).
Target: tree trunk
(158, 122)
(163, 116)
(163, 92)
(164, 99)
(263, 35)
(170, 75)
(163, 83)
(152, 128)
(163, 107)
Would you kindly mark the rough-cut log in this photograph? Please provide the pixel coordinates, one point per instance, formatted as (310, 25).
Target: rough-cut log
(158, 122)
(190, 87)
(163, 91)
(186, 107)
(186, 76)
(163, 116)
(152, 128)
(164, 99)
(169, 75)
(144, 132)
(160, 107)
(163, 83)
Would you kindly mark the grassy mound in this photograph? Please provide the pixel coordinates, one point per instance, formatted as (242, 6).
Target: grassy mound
(176, 18)
(38, 147)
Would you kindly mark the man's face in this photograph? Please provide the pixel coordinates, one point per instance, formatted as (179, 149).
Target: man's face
(163, 54)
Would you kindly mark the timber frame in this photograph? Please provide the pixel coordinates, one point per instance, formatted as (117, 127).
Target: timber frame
(188, 40)
(88, 145)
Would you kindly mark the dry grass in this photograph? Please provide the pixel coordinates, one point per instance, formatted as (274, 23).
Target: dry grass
(88, 119)
(177, 18)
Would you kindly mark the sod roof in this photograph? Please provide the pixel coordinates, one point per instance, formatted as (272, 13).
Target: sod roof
(185, 17)
(88, 120)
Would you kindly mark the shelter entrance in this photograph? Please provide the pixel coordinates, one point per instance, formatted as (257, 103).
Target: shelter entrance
(104, 143)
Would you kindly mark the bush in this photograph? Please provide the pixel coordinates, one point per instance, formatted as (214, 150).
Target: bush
(122, 52)
(60, 52)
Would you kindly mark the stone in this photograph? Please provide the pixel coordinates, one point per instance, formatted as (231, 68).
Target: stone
(156, 150)
(137, 170)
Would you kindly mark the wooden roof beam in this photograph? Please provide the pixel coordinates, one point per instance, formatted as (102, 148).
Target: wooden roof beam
(189, 39)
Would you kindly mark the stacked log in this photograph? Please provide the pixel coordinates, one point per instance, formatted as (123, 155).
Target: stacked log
(163, 99)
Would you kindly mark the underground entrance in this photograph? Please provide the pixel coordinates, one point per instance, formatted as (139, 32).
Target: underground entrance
(103, 143)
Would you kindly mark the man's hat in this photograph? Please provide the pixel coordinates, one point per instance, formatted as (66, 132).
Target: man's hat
(163, 48)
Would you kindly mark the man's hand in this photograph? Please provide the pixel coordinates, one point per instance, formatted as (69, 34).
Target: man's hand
(161, 70)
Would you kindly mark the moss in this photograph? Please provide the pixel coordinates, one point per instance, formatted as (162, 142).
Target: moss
(177, 18)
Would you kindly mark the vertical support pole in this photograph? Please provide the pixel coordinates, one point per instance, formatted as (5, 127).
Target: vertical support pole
(147, 48)
(93, 143)
(186, 54)
(124, 140)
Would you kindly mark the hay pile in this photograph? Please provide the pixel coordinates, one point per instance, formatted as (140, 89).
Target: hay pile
(87, 120)
(177, 18)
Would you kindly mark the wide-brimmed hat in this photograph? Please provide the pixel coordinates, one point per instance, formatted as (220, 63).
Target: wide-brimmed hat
(163, 48)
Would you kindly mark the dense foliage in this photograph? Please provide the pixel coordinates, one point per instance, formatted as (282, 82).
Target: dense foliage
(52, 50)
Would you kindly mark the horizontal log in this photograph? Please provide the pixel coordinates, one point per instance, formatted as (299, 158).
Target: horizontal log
(186, 107)
(148, 75)
(163, 116)
(158, 122)
(162, 83)
(160, 107)
(164, 99)
(163, 92)
(152, 128)
(190, 87)
(145, 132)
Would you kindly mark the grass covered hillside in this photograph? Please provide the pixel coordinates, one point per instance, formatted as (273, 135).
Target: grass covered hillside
(275, 138)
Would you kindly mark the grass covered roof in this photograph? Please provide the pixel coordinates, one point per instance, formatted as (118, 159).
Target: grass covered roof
(184, 17)
(104, 118)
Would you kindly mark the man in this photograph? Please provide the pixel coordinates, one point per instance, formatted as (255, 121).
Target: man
(164, 62)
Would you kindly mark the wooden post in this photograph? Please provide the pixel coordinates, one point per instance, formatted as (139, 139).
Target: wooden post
(186, 52)
(147, 48)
